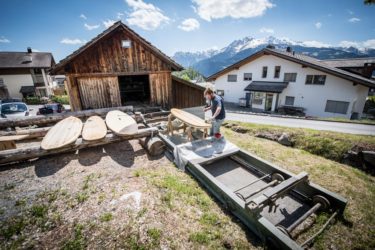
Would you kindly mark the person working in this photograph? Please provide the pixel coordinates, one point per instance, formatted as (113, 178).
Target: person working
(218, 111)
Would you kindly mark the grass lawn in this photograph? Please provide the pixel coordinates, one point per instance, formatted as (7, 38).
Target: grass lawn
(331, 145)
(358, 232)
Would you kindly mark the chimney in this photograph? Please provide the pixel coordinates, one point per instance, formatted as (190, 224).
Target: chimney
(29, 50)
(289, 49)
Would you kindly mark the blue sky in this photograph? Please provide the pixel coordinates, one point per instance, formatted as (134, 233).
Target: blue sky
(184, 25)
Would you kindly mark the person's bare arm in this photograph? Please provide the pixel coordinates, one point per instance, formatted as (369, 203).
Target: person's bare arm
(217, 112)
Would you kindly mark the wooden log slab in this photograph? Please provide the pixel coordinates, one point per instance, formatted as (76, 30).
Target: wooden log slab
(153, 145)
(52, 119)
(30, 132)
(21, 154)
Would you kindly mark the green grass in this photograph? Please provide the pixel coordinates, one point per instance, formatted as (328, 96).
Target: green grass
(330, 145)
(77, 242)
(82, 197)
(106, 217)
(339, 119)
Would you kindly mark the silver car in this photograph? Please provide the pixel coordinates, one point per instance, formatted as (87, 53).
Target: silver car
(13, 109)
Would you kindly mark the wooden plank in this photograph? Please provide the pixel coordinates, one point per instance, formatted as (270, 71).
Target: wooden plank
(21, 154)
(12, 138)
(65, 132)
(94, 129)
(190, 119)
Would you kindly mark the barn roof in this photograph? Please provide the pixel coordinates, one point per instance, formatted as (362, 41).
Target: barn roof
(115, 26)
(16, 60)
(301, 59)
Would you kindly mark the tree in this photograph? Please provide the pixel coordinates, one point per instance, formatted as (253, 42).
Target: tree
(368, 2)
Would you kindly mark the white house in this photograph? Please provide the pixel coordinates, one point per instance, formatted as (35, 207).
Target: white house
(272, 78)
(25, 74)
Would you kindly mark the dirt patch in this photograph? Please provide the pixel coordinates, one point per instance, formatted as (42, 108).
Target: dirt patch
(111, 197)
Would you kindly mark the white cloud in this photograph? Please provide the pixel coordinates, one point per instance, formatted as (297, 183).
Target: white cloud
(189, 24)
(215, 9)
(145, 15)
(119, 15)
(266, 30)
(368, 44)
(316, 44)
(108, 23)
(91, 27)
(4, 40)
(350, 12)
(72, 41)
(83, 16)
(318, 25)
(354, 20)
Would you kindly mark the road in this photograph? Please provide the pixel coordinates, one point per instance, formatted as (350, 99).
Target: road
(350, 128)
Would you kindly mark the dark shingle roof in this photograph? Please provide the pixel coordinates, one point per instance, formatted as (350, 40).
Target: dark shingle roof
(26, 60)
(115, 26)
(348, 63)
(303, 60)
(266, 86)
(27, 89)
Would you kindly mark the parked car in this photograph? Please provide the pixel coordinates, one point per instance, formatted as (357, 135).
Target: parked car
(13, 109)
(51, 108)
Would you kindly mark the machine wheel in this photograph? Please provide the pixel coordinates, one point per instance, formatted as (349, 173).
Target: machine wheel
(322, 200)
(277, 176)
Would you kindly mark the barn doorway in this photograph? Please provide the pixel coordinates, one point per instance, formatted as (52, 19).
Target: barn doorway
(134, 90)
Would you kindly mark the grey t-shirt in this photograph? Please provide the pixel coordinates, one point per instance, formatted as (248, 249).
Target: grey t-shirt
(216, 102)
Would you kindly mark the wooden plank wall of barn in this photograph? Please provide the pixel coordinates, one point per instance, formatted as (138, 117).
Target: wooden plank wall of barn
(92, 75)
(185, 96)
(99, 92)
(108, 56)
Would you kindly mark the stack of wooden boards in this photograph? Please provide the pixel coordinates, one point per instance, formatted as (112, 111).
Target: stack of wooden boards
(67, 131)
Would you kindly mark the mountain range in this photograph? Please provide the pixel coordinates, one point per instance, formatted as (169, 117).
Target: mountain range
(210, 61)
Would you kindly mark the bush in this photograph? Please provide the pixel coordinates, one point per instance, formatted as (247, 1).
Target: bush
(33, 100)
(370, 104)
(63, 99)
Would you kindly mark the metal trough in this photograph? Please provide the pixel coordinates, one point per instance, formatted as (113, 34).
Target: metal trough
(269, 200)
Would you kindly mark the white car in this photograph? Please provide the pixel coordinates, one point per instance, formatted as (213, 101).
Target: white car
(13, 109)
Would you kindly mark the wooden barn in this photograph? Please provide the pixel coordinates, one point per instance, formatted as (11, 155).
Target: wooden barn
(119, 67)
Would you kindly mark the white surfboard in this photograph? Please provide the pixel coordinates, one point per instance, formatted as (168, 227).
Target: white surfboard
(121, 123)
(64, 132)
(94, 129)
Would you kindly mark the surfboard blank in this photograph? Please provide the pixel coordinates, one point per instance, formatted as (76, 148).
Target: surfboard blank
(94, 129)
(65, 132)
(121, 123)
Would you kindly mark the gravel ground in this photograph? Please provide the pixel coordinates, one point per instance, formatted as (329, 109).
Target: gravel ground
(114, 196)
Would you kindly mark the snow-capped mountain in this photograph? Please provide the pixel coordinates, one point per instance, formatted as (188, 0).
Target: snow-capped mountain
(211, 61)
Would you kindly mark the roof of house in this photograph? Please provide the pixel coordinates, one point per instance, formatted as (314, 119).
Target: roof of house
(266, 86)
(301, 59)
(349, 63)
(115, 26)
(26, 60)
(188, 83)
(27, 89)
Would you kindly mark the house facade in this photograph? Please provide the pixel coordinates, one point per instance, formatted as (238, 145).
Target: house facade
(25, 74)
(271, 78)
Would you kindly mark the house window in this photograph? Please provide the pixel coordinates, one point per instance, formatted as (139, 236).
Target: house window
(337, 107)
(247, 76)
(257, 98)
(1, 82)
(316, 79)
(37, 71)
(290, 77)
(264, 72)
(126, 43)
(289, 100)
(232, 78)
(277, 71)
(220, 92)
